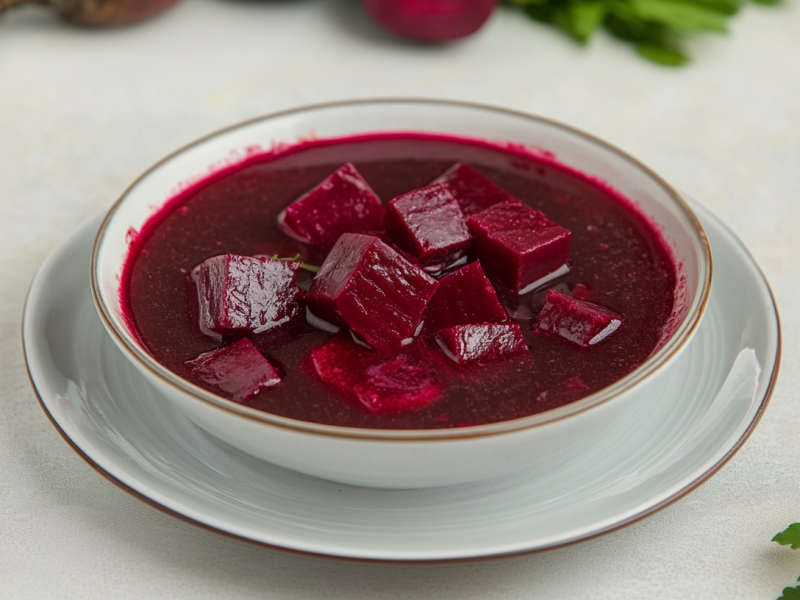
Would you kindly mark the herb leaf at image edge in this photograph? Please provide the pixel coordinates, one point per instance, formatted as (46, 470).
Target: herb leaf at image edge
(655, 27)
(790, 593)
(789, 536)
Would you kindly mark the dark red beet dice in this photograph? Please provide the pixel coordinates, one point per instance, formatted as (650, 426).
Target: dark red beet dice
(343, 203)
(520, 246)
(380, 382)
(578, 321)
(473, 192)
(240, 294)
(482, 344)
(464, 297)
(429, 225)
(366, 285)
(239, 370)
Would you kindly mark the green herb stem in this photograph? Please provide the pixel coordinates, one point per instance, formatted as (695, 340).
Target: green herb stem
(657, 28)
(296, 258)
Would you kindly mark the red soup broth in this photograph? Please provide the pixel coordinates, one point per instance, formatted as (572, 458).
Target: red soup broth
(618, 260)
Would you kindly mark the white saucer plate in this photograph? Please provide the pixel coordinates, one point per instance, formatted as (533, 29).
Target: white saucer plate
(660, 450)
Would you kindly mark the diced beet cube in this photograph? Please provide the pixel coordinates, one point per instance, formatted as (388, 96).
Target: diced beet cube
(239, 370)
(473, 192)
(240, 294)
(428, 224)
(381, 383)
(464, 297)
(366, 285)
(520, 246)
(578, 321)
(482, 344)
(342, 203)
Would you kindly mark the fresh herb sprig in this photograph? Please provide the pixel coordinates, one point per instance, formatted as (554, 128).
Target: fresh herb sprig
(790, 537)
(657, 28)
(296, 257)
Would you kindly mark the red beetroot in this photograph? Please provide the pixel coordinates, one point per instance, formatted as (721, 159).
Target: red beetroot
(380, 382)
(342, 203)
(578, 321)
(482, 344)
(366, 285)
(239, 370)
(100, 12)
(464, 297)
(428, 224)
(520, 246)
(242, 294)
(430, 20)
(473, 191)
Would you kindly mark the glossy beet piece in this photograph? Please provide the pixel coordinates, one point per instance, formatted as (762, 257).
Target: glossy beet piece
(342, 203)
(242, 294)
(366, 285)
(520, 246)
(482, 344)
(430, 20)
(578, 321)
(381, 383)
(429, 225)
(473, 192)
(239, 370)
(464, 297)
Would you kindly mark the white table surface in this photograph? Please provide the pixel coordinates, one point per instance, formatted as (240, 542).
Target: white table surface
(82, 113)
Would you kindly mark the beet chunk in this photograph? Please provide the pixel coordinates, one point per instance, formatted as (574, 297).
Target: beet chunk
(473, 192)
(342, 203)
(482, 344)
(520, 246)
(429, 225)
(240, 294)
(464, 297)
(239, 370)
(366, 285)
(381, 383)
(578, 321)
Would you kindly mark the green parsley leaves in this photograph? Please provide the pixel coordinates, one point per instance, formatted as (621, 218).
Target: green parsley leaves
(655, 27)
(792, 593)
(790, 537)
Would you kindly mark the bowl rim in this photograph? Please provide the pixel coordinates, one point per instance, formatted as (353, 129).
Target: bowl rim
(661, 358)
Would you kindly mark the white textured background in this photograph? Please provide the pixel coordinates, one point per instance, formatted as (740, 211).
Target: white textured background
(82, 113)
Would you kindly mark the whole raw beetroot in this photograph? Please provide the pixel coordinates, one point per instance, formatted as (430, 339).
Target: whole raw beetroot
(100, 12)
(430, 20)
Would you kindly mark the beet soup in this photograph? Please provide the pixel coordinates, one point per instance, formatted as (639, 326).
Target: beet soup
(427, 282)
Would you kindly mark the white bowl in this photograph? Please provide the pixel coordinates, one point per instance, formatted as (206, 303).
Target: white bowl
(406, 458)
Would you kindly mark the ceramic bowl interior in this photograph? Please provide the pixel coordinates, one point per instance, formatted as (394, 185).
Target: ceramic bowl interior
(654, 197)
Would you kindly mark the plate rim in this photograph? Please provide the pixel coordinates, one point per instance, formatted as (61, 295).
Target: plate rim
(618, 525)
